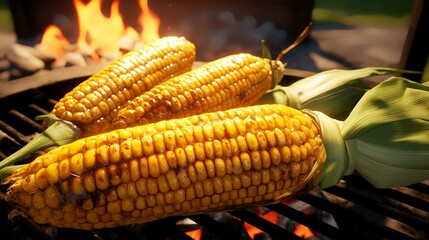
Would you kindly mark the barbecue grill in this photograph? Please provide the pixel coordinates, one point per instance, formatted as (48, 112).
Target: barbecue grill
(352, 209)
(358, 209)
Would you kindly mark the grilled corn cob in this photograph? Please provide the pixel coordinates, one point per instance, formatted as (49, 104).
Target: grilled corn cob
(92, 104)
(233, 81)
(210, 162)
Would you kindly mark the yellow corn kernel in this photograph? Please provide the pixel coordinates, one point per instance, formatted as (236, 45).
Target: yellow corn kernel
(29, 184)
(101, 179)
(41, 179)
(64, 169)
(233, 81)
(223, 160)
(95, 102)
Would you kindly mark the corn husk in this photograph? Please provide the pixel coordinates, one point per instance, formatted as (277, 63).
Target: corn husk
(57, 133)
(385, 138)
(333, 92)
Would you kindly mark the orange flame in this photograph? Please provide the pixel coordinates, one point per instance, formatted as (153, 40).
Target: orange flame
(54, 42)
(103, 32)
(150, 22)
(98, 32)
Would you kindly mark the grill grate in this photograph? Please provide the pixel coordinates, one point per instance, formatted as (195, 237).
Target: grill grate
(358, 209)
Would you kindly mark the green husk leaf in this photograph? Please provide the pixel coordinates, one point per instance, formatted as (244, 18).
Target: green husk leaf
(338, 102)
(266, 53)
(387, 135)
(58, 133)
(281, 95)
(337, 159)
(277, 67)
(7, 171)
(333, 92)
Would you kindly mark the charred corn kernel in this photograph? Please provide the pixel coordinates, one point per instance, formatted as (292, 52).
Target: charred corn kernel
(101, 179)
(95, 102)
(41, 179)
(224, 160)
(233, 81)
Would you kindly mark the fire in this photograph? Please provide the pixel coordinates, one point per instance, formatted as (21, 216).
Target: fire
(54, 42)
(150, 21)
(271, 216)
(103, 32)
(98, 32)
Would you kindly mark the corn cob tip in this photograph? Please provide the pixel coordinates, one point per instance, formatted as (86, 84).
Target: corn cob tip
(278, 69)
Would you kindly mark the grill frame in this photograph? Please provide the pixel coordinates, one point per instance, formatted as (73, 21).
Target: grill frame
(359, 209)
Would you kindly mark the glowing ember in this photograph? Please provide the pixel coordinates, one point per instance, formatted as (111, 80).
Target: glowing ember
(303, 231)
(273, 217)
(195, 234)
(256, 233)
(100, 33)
(270, 216)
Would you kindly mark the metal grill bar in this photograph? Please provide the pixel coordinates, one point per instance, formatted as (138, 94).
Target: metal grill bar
(354, 225)
(38, 109)
(381, 208)
(420, 187)
(217, 228)
(395, 194)
(13, 133)
(26, 120)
